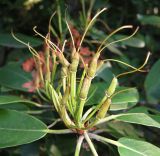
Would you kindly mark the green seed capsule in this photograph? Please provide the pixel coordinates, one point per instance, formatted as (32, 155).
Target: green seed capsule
(75, 62)
(63, 60)
(65, 97)
(100, 64)
(93, 66)
(104, 108)
(64, 71)
(112, 87)
(65, 117)
(85, 88)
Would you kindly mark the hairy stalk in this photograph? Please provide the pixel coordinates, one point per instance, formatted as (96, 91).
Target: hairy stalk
(90, 144)
(78, 146)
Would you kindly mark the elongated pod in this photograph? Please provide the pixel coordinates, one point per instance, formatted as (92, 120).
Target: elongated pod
(104, 108)
(112, 87)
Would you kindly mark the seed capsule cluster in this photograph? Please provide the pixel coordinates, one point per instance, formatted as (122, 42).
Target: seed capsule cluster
(68, 96)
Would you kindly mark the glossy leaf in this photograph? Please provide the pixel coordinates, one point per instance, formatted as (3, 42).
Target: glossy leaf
(10, 99)
(7, 99)
(114, 49)
(125, 99)
(12, 76)
(105, 73)
(122, 129)
(15, 106)
(152, 20)
(8, 41)
(132, 147)
(138, 118)
(152, 84)
(154, 114)
(18, 128)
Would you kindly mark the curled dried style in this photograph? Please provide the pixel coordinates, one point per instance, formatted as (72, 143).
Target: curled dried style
(69, 97)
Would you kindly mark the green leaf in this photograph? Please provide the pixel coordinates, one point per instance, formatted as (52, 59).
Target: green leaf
(15, 106)
(132, 42)
(114, 50)
(125, 99)
(7, 99)
(132, 147)
(148, 111)
(17, 128)
(138, 118)
(105, 73)
(152, 84)
(152, 20)
(97, 34)
(96, 93)
(122, 129)
(12, 76)
(8, 41)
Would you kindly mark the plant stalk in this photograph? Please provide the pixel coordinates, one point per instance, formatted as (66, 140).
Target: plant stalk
(78, 146)
(103, 139)
(90, 144)
(62, 131)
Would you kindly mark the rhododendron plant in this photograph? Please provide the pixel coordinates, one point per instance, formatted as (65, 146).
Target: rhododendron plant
(57, 81)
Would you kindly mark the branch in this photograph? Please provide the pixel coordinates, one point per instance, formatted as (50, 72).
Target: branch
(90, 144)
(79, 144)
(61, 131)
